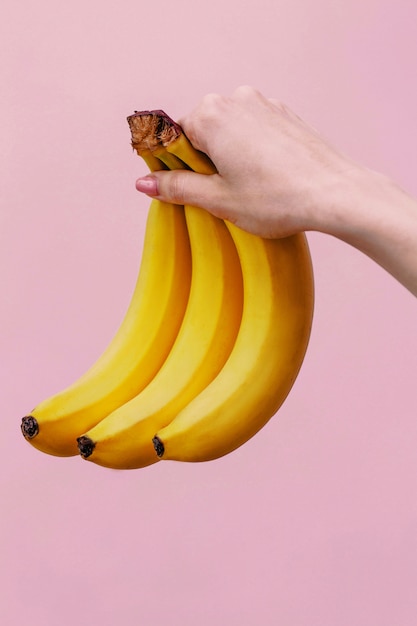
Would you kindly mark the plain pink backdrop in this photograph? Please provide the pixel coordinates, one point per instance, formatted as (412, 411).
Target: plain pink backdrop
(314, 521)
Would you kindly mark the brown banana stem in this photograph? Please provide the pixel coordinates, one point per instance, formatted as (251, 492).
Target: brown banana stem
(150, 129)
(154, 132)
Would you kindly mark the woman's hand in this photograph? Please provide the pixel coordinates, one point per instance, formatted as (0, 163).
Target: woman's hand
(276, 175)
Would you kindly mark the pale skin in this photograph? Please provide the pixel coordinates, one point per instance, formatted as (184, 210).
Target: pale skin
(277, 176)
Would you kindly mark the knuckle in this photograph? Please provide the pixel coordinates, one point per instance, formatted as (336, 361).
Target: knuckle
(209, 110)
(211, 101)
(246, 92)
(203, 117)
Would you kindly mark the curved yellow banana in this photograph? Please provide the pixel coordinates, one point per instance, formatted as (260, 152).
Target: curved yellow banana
(268, 353)
(269, 349)
(140, 345)
(123, 440)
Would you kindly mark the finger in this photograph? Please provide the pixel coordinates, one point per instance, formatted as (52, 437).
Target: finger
(183, 187)
(199, 124)
(247, 93)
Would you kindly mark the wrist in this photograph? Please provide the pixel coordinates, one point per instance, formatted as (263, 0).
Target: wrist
(374, 215)
(354, 204)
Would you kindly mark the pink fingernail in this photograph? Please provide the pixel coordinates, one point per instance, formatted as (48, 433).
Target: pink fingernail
(148, 185)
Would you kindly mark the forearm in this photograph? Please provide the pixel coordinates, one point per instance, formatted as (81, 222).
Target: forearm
(378, 218)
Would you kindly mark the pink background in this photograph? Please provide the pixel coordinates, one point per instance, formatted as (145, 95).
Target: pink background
(314, 521)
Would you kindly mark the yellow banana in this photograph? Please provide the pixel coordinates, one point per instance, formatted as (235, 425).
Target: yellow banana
(123, 440)
(266, 358)
(140, 346)
(268, 352)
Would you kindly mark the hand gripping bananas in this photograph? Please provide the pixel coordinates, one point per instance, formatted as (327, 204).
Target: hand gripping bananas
(242, 328)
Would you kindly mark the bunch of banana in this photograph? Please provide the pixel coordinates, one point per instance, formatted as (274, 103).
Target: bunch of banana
(210, 346)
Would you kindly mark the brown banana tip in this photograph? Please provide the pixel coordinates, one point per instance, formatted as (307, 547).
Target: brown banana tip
(85, 446)
(29, 427)
(159, 446)
(150, 129)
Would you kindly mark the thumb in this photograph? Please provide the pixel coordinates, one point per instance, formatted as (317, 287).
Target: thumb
(181, 187)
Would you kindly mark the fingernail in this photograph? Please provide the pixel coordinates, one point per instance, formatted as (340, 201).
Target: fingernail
(148, 185)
